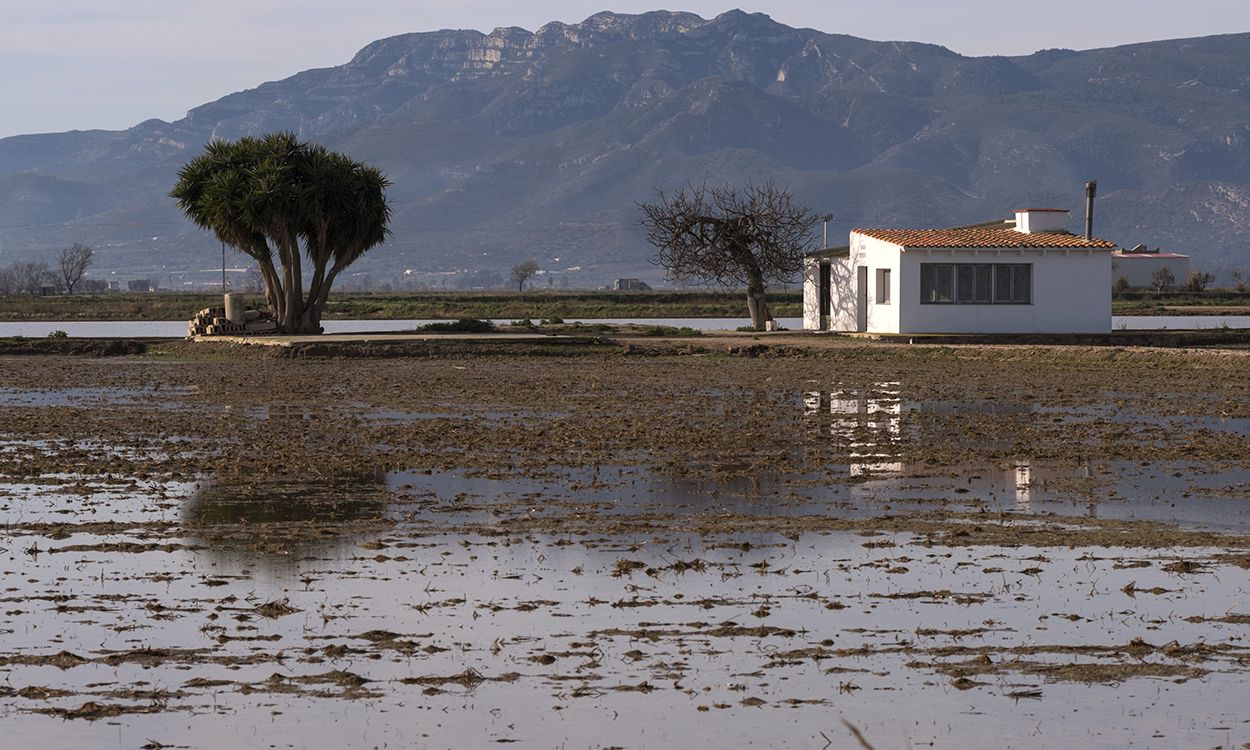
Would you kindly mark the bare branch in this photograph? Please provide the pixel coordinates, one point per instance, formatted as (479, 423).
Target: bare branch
(522, 273)
(722, 235)
(73, 264)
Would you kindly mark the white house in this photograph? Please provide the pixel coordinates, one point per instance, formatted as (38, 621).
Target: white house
(1029, 275)
(1138, 268)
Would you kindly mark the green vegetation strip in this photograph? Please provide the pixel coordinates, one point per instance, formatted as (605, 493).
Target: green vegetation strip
(401, 306)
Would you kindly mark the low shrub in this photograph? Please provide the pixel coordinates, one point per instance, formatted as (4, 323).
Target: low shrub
(464, 325)
(670, 331)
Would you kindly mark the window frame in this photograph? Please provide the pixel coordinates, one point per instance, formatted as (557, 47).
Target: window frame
(1017, 289)
(884, 279)
(1013, 286)
(933, 270)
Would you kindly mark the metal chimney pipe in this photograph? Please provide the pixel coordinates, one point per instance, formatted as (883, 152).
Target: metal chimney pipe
(1091, 188)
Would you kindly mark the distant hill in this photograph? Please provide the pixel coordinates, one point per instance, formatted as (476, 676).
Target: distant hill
(512, 144)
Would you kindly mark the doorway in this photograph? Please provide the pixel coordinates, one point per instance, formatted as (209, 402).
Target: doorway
(825, 296)
(861, 299)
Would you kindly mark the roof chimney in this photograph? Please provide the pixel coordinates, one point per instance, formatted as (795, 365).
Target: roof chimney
(1091, 188)
(1034, 220)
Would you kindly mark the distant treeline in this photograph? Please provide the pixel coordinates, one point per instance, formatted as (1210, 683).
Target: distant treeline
(38, 278)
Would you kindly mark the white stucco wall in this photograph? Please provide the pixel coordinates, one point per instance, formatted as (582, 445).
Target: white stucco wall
(1041, 220)
(883, 317)
(811, 294)
(843, 276)
(1139, 268)
(1071, 294)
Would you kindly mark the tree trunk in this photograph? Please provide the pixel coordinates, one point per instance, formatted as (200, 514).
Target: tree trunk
(757, 304)
(294, 283)
(311, 320)
(273, 287)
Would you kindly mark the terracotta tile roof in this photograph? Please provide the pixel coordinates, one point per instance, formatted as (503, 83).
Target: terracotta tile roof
(983, 237)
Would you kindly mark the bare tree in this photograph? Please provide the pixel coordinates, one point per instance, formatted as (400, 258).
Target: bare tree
(750, 237)
(1162, 280)
(27, 278)
(1198, 281)
(73, 264)
(523, 272)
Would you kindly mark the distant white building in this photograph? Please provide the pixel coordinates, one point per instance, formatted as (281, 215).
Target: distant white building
(1024, 276)
(1139, 266)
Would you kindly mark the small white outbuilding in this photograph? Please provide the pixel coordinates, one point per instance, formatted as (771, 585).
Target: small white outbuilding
(1029, 275)
(1139, 268)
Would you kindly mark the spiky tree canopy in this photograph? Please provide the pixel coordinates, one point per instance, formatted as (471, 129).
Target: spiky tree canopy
(278, 196)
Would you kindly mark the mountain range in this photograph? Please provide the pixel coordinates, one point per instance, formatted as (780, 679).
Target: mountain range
(515, 144)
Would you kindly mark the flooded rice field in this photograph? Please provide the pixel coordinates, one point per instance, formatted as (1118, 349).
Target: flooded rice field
(869, 546)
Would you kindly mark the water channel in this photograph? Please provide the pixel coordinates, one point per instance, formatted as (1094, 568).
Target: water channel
(178, 328)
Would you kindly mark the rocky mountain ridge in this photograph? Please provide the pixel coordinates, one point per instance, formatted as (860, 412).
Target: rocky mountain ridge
(514, 144)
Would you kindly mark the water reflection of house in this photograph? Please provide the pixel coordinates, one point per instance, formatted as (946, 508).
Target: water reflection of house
(872, 421)
(869, 420)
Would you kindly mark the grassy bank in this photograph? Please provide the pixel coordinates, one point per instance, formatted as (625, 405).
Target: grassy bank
(1215, 302)
(400, 306)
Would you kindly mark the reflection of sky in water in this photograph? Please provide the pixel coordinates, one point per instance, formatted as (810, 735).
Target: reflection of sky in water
(468, 599)
(494, 604)
(92, 396)
(178, 328)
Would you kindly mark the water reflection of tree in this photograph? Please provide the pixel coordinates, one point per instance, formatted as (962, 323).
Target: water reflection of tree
(283, 516)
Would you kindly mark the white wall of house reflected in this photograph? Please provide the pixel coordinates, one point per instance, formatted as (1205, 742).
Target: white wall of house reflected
(869, 422)
(1024, 485)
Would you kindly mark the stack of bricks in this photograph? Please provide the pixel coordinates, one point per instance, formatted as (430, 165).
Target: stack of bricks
(212, 321)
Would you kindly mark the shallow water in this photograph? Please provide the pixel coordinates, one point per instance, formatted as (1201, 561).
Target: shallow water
(454, 607)
(657, 642)
(178, 328)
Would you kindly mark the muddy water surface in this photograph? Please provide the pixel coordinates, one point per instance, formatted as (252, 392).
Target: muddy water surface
(580, 555)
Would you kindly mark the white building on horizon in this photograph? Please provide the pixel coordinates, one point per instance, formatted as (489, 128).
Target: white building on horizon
(1138, 267)
(1029, 275)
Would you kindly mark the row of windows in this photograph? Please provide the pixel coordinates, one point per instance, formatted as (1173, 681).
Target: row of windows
(976, 283)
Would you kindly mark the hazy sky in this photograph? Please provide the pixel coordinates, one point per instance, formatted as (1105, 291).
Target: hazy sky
(82, 64)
